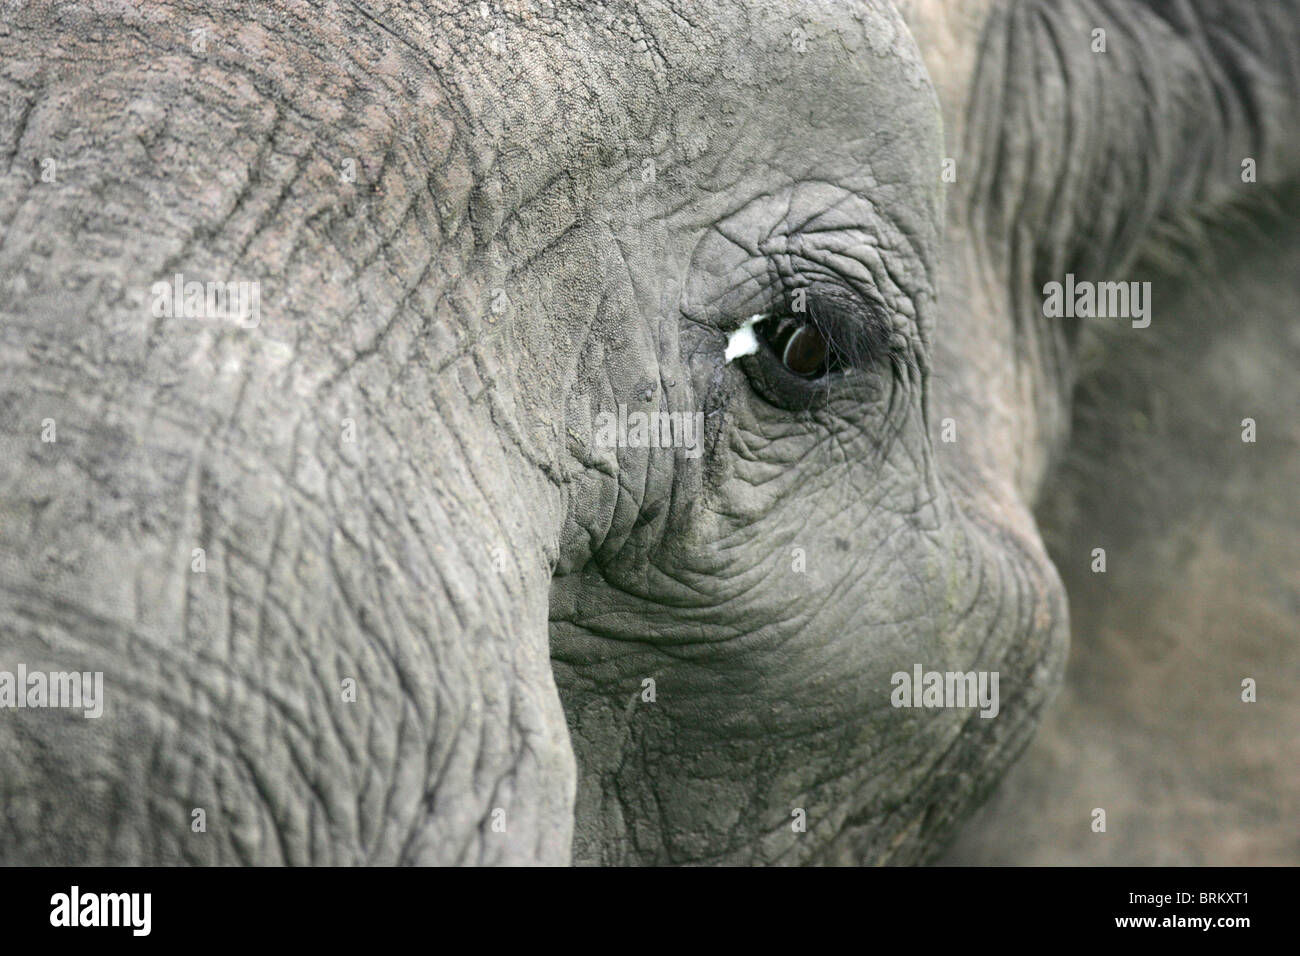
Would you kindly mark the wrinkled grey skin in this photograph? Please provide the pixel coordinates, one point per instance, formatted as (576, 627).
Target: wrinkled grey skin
(557, 209)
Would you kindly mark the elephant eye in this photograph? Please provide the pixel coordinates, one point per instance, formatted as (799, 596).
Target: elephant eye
(795, 359)
(800, 345)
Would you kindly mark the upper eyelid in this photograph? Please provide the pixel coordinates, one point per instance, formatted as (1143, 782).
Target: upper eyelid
(852, 256)
(858, 330)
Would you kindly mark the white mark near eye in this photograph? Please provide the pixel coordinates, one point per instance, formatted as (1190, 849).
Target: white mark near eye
(743, 341)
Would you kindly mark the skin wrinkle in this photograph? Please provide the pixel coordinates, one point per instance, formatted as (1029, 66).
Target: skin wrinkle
(142, 689)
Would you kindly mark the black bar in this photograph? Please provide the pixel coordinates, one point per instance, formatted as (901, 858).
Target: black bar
(332, 907)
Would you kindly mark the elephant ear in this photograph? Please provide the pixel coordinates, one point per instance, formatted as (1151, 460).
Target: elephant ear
(1165, 514)
(309, 570)
(1172, 521)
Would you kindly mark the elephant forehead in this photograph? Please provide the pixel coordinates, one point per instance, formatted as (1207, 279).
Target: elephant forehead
(691, 111)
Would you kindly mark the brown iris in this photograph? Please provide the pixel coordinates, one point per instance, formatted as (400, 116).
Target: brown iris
(802, 347)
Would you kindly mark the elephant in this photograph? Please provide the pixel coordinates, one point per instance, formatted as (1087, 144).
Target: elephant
(548, 432)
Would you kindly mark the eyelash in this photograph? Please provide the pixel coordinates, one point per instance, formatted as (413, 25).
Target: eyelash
(856, 334)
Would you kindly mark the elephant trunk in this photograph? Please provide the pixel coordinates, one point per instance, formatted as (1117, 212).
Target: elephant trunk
(298, 569)
(295, 643)
(302, 638)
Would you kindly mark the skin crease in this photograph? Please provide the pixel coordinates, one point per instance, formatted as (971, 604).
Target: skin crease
(556, 210)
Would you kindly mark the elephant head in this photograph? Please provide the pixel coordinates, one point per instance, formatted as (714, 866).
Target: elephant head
(530, 432)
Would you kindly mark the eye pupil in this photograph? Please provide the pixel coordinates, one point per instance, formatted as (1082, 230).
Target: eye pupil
(805, 352)
(800, 345)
